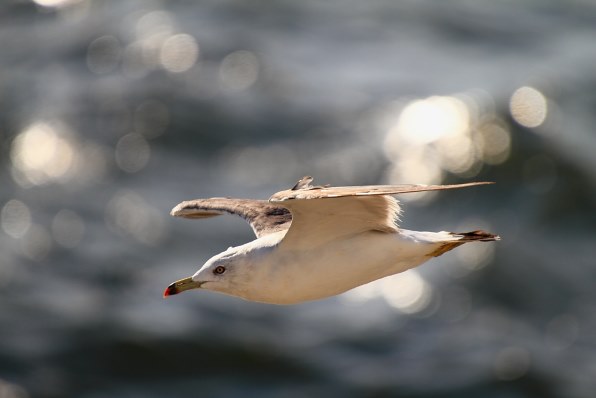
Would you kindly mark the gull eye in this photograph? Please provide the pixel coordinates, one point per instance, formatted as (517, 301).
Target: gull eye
(219, 270)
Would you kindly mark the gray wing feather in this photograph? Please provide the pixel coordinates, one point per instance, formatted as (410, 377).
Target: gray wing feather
(264, 218)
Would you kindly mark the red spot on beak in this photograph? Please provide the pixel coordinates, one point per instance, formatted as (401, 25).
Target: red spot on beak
(170, 290)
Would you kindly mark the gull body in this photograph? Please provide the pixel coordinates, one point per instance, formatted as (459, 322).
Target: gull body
(264, 270)
(316, 242)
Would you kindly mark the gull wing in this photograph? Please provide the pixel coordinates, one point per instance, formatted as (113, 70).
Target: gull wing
(321, 214)
(320, 192)
(264, 217)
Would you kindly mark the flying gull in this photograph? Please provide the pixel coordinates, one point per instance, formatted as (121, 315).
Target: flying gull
(314, 242)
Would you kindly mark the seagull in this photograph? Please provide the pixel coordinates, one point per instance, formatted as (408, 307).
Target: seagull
(314, 242)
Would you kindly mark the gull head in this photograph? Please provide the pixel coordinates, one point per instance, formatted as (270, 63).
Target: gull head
(221, 273)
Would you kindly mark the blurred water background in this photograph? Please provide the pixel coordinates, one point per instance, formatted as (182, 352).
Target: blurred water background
(112, 112)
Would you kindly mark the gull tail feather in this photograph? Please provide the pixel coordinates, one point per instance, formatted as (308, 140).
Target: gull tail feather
(459, 238)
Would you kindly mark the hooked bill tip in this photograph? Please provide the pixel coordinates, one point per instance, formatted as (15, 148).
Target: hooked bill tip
(170, 290)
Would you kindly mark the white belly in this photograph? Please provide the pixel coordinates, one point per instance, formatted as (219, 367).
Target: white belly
(289, 277)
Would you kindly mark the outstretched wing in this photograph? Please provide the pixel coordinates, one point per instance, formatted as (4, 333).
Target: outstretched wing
(319, 192)
(322, 214)
(264, 217)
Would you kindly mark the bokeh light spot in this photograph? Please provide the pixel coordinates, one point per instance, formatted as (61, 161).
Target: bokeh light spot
(15, 218)
(155, 23)
(363, 293)
(424, 121)
(495, 142)
(67, 228)
(179, 53)
(427, 137)
(457, 153)
(254, 163)
(408, 292)
(476, 256)
(155, 45)
(55, 3)
(41, 154)
(239, 70)
(418, 165)
(132, 153)
(36, 243)
(103, 55)
(528, 107)
(91, 163)
(143, 55)
(128, 213)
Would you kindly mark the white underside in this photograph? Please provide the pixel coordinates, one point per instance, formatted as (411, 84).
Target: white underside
(283, 275)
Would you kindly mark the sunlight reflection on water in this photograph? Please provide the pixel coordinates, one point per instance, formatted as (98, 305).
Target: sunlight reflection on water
(178, 53)
(42, 153)
(56, 3)
(132, 152)
(48, 153)
(528, 107)
(155, 42)
(239, 70)
(407, 292)
(15, 218)
(129, 214)
(36, 243)
(456, 134)
(104, 54)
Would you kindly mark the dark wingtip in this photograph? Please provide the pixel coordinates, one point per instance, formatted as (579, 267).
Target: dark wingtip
(170, 290)
(478, 235)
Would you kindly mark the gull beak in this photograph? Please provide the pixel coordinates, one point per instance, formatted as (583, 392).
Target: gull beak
(180, 286)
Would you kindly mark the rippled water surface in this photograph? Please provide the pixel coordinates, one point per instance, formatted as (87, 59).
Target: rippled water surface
(113, 112)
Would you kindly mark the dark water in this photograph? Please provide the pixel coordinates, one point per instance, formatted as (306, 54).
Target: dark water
(113, 112)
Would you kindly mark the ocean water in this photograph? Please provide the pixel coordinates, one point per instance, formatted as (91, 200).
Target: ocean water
(112, 112)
